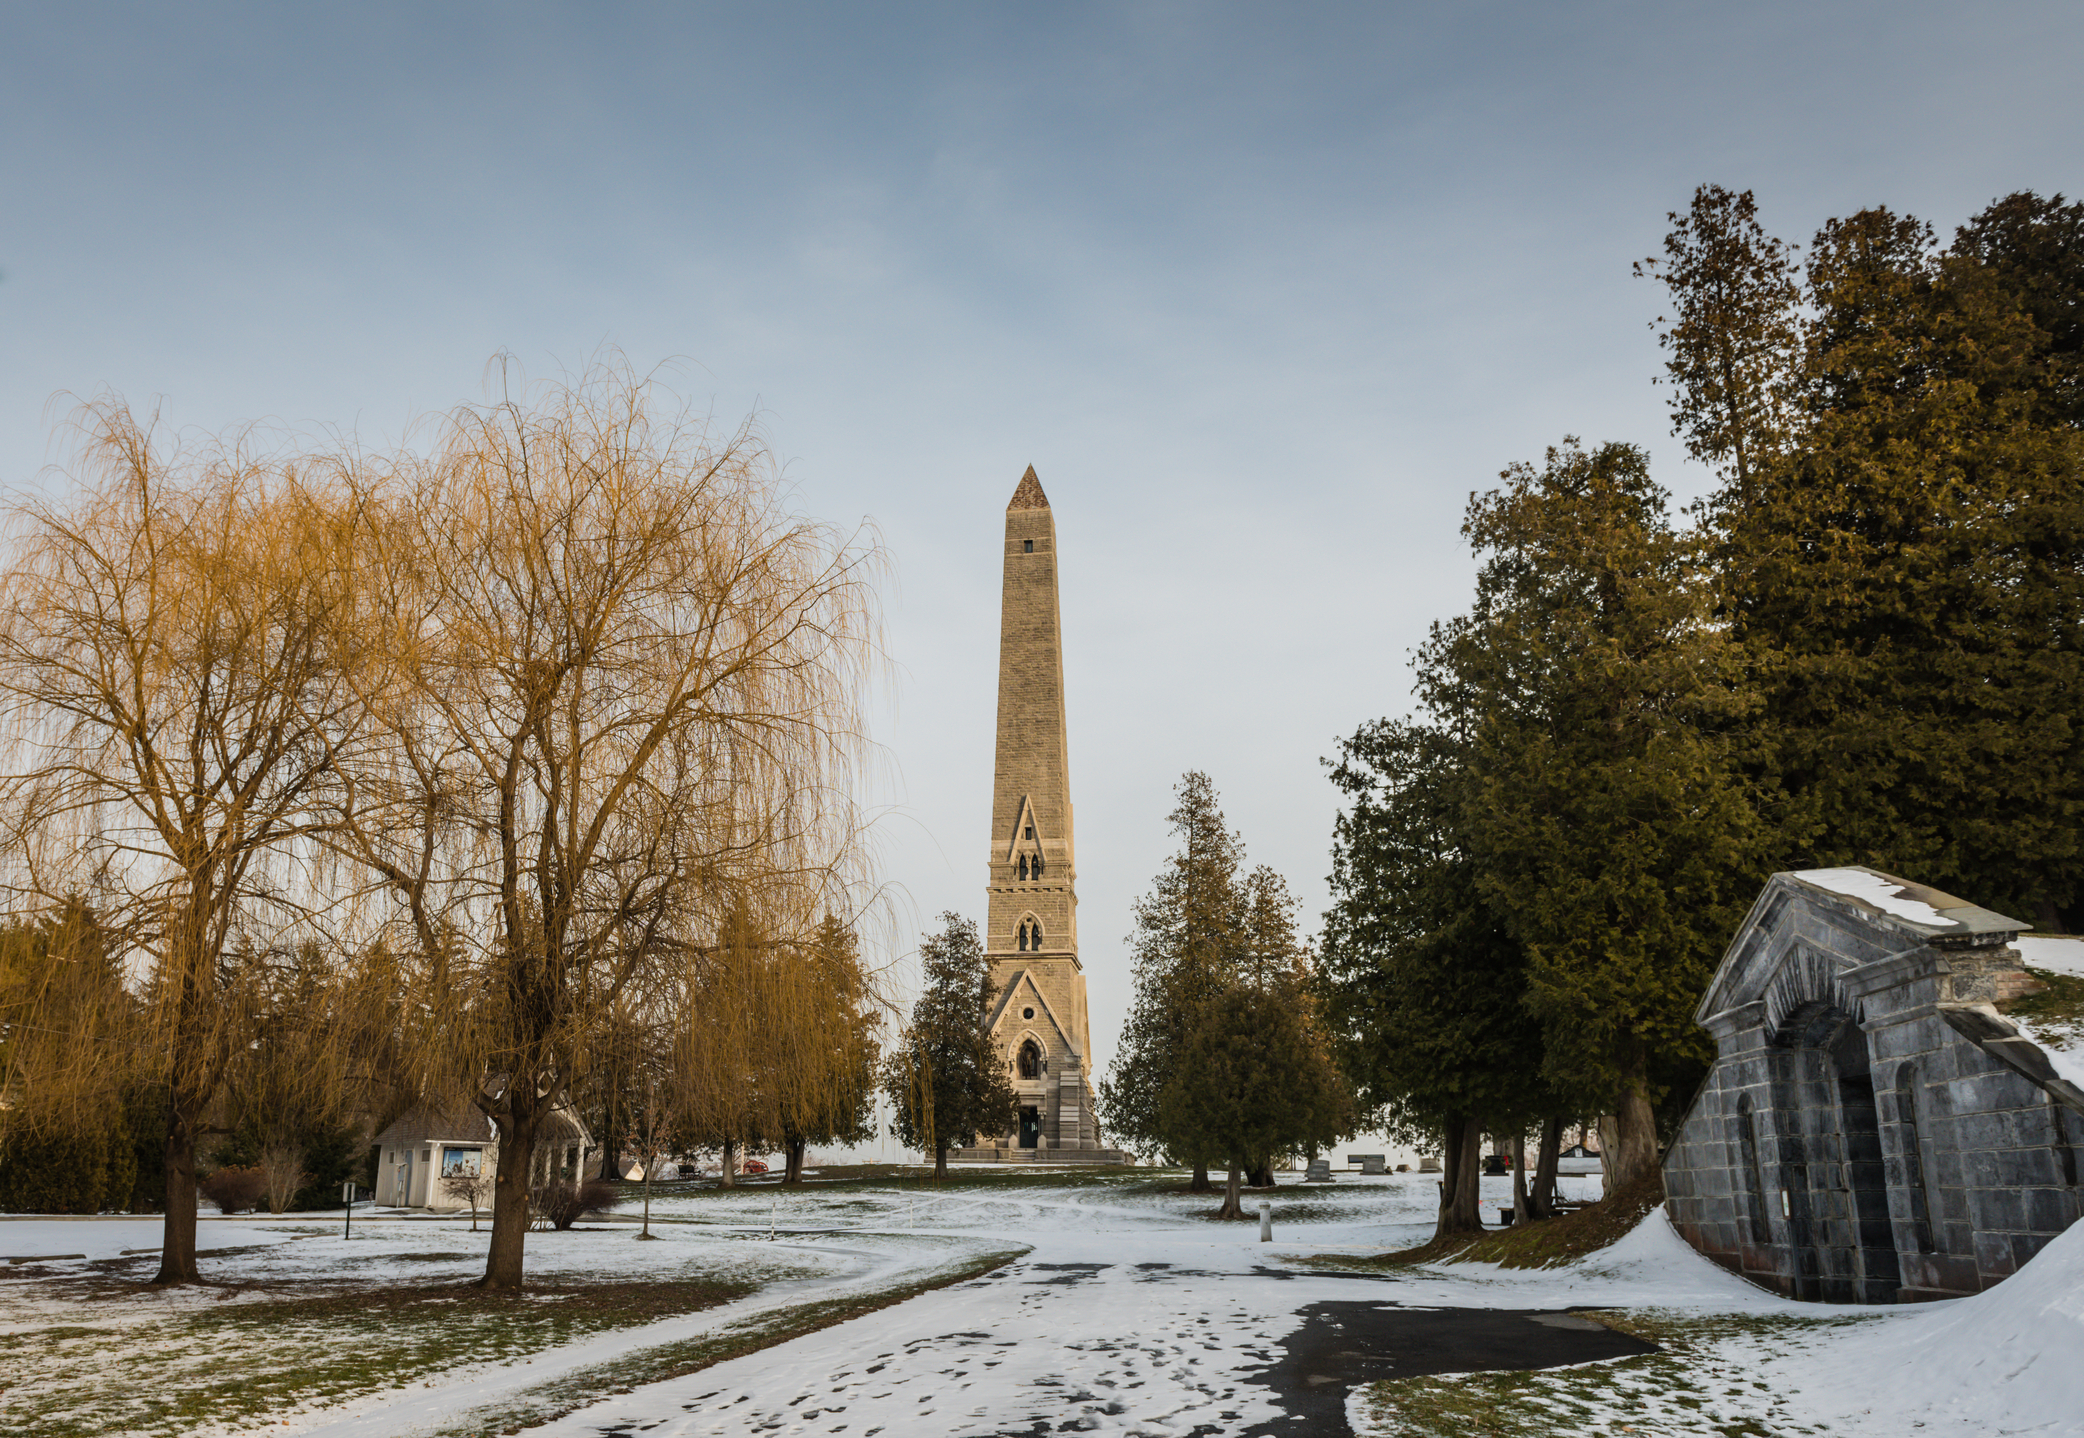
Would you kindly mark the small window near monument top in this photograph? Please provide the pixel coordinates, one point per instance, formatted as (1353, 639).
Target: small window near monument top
(1027, 1013)
(1027, 546)
(1031, 831)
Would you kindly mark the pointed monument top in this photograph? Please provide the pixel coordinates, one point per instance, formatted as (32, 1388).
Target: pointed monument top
(1029, 495)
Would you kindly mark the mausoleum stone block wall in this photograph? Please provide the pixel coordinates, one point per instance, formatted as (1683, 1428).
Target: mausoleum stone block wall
(1872, 1130)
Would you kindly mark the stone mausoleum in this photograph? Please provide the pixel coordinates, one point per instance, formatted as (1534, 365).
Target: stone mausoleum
(1875, 1129)
(1037, 1011)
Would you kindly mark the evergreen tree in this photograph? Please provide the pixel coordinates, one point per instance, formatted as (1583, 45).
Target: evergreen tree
(1904, 572)
(1610, 831)
(1421, 983)
(1188, 942)
(1254, 1075)
(945, 1077)
(1735, 339)
(66, 1023)
(824, 1061)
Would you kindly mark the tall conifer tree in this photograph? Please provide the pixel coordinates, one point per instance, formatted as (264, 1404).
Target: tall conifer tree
(945, 1077)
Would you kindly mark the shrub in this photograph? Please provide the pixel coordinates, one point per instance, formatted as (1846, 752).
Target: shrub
(79, 1172)
(563, 1203)
(234, 1190)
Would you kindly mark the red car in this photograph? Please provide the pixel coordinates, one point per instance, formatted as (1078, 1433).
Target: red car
(753, 1165)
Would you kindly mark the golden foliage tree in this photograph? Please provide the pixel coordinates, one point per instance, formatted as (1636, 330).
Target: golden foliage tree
(173, 688)
(619, 680)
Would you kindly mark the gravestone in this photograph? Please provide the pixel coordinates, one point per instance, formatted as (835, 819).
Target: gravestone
(1369, 1162)
(1320, 1171)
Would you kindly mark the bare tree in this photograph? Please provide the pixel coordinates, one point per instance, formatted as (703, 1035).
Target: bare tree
(472, 1188)
(172, 691)
(620, 679)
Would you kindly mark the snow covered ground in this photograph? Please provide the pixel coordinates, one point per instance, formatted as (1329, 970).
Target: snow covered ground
(1128, 1313)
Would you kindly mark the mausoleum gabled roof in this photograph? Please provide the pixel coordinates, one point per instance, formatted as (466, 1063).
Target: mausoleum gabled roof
(1866, 914)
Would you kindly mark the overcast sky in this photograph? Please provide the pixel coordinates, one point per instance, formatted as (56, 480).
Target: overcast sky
(1262, 293)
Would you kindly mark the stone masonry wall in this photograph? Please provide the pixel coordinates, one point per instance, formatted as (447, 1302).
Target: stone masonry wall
(1849, 1144)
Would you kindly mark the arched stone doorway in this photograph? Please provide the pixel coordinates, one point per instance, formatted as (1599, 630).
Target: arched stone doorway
(1835, 1192)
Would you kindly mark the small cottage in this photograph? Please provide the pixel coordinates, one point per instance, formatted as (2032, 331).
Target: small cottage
(1880, 1124)
(427, 1144)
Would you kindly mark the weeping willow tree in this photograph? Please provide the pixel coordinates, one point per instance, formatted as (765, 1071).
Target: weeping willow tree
(775, 1039)
(174, 693)
(616, 679)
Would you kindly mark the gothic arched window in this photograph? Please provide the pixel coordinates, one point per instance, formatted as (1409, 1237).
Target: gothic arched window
(1021, 869)
(1038, 866)
(1030, 1060)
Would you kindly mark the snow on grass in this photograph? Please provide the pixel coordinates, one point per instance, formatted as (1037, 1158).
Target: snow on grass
(1740, 1360)
(2054, 953)
(1132, 1313)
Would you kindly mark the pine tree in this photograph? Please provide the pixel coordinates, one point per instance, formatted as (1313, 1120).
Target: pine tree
(1189, 939)
(945, 1077)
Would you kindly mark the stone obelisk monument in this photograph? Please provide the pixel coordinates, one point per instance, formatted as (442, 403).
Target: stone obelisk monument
(1037, 1014)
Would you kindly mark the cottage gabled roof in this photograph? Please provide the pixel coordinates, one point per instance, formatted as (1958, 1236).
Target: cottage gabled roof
(465, 1122)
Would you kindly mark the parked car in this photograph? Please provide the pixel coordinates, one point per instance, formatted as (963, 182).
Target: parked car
(754, 1165)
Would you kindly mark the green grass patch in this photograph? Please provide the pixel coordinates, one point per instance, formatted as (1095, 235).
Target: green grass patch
(1546, 1243)
(238, 1362)
(1703, 1382)
(2057, 1009)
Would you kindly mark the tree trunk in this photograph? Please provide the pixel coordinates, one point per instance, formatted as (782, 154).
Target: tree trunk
(940, 1163)
(1460, 1168)
(792, 1164)
(1609, 1142)
(1200, 1183)
(1519, 1178)
(611, 1149)
(1635, 1133)
(510, 1215)
(1262, 1175)
(727, 1174)
(177, 1242)
(1231, 1208)
(1542, 1202)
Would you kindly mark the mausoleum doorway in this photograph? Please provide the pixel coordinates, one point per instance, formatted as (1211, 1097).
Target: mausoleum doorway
(1843, 1217)
(1030, 1127)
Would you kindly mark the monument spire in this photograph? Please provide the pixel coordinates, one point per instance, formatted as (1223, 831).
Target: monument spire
(1038, 1007)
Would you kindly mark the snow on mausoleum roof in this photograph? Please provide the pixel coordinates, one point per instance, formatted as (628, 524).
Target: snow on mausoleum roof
(1917, 907)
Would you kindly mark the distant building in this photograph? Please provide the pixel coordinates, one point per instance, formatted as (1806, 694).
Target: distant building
(425, 1144)
(1874, 1128)
(1038, 1011)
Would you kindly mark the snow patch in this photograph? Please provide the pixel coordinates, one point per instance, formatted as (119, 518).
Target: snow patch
(1884, 894)
(2052, 953)
(2002, 1361)
(2064, 1048)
